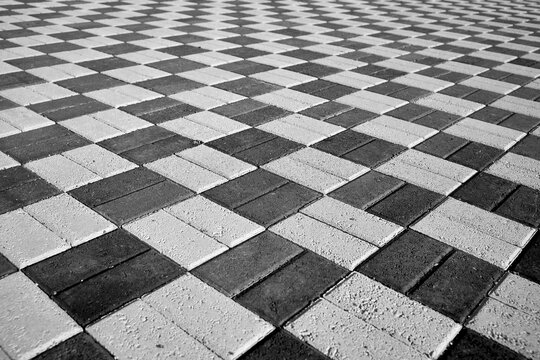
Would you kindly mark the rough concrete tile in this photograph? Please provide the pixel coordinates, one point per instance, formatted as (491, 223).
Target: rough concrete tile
(42, 324)
(81, 346)
(519, 293)
(328, 163)
(98, 160)
(221, 324)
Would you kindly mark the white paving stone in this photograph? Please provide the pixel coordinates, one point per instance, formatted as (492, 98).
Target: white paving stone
(519, 293)
(305, 174)
(329, 163)
(62, 172)
(120, 120)
(336, 245)
(99, 160)
(192, 130)
(487, 84)
(395, 130)
(24, 119)
(354, 221)
(518, 105)
(290, 99)
(449, 104)
(42, 324)
(217, 122)
(218, 322)
(69, 219)
(26, 241)
(370, 101)
(92, 129)
(186, 173)
(140, 332)
(353, 79)
(423, 82)
(184, 244)
(216, 161)
(340, 335)
(215, 221)
(6, 161)
(406, 320)
(292, 132)
(520, 169)
(510, 327)
(486, 133)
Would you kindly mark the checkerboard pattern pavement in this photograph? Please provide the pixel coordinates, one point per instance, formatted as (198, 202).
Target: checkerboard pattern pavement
(269, 179)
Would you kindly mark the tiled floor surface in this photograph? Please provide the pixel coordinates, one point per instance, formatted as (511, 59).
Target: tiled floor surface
(269, 179)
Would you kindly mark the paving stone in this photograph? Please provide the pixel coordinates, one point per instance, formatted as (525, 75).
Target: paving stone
(245, 188)
(470, 344)
(353, 221)
(406, 204)
(523, 205)
(405, 261)
(277, 204)
(484, 191)
(80, 263)
(6, 267)
(287, 291)
(210, 317)
(68, 218)
(268, 151)
(441, 145)
(417, 326)
(366, 190)
(81, 347)
(510, 327)
(283, 345)
(239, 268)
(529, 146)
(138, 330)
(458, 285)
(217, 222)
(475, 156)
(374, 153)
(347, 336)
(343, 142)
(517, 168)
(118, 286)
(485, 133)
(43, 323)
(518, 293)
(25, 193)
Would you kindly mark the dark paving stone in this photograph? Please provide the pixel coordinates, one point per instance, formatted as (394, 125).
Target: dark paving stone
(458, 285)
(245, 67)
(406, 204)
(89, 83)
(58, 47)
(68, 107)
(374, 153)
(313, 69)
(244, 52)
(7, 104)
(169, 85)
(476, 156)
(27, 63)
(529, 146)
(136, 139)
(289, 290)
(107, 291)
(26, 193)
(119, 49)
(239, 108)
(387, 88)
(6, 267)
(240, 141)
(39, 143)
(483, 97)
(343, 142)
(326, 110)
(367, 189)
(459, 91)
(277, 204)
(268, 151)
(484, 191)
(442, 145)
(182, 50)
(246, 264)
(245, 188)
(106, 64)
(470, 345)
(15, 176)
(314, 86)
(403, 263)
(116, 186)
(523, 205)
(261, 116)
(77, 264)
(150, 106)
(352, 118)
(175, 66)
(437, 120)
(16, 79)
(527, 264)
(410, 94)
(144, 201)
(303, 54)
(248, 87)
(78, 347)
(159, 149)
(169, 113)
(282, 345)
(520, 122)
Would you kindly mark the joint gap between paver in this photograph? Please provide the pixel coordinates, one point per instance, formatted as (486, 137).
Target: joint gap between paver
(356, 148)
(264, 142)
(257, 197)
(503, 200)
(455, 151)
(485, 298)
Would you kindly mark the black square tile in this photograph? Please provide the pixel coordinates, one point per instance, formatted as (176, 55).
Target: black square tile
(248, 87)
(523, 205)
(442, 145)
(271, 150)
(374, 153)
(246, 264)
(343, 142)
(239, 108)
(476, 156)
(528, 146)
(405, 261)
(352, 118)
(289, 290)
(169, 85)
(367, 189)
(90, 83)
(485, 191)
(458, 285)
(407, 204)
(326, 110)
(437, 120)
(69, 107)
(261, 116)
(240, 141)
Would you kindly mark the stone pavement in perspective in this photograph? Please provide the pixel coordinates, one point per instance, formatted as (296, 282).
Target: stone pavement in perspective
(269, 179)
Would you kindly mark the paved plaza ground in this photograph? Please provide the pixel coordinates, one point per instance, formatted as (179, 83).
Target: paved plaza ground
(269, 179)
